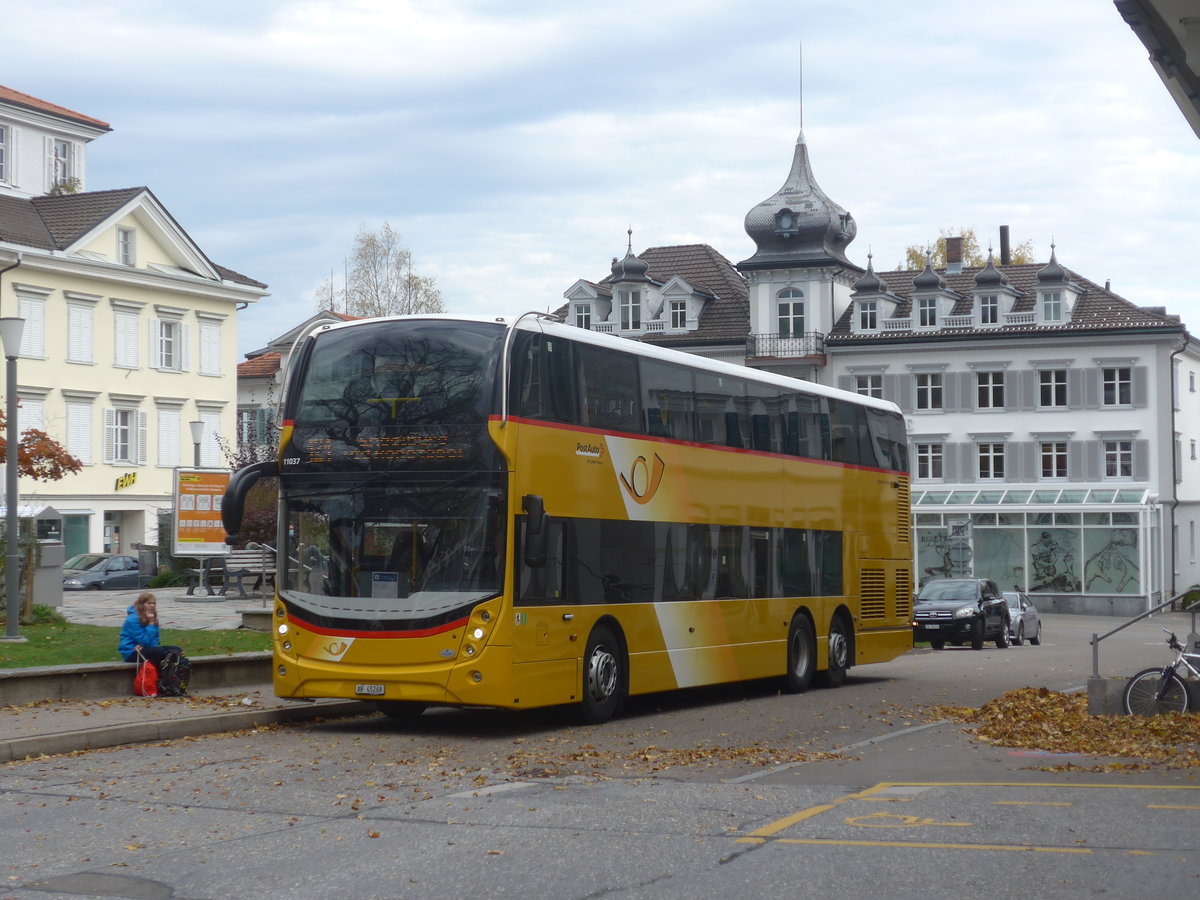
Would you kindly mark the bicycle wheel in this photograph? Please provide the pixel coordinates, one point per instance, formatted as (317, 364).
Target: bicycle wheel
(1141, 694)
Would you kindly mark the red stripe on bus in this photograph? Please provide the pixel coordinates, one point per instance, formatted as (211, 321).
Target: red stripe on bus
(343, 632)
(637, 436)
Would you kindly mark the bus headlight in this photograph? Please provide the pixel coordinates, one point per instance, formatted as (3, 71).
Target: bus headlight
(478, 634)
(470, 650)
(283, 629)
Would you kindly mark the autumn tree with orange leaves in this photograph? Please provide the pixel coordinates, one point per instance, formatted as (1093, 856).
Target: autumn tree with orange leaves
(41, 458)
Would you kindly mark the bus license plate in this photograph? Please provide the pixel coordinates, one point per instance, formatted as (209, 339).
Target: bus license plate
(369, 690)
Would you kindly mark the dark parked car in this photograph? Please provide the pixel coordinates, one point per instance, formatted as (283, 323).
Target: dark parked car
(1024, 621)
(961, 610)
(99, 571)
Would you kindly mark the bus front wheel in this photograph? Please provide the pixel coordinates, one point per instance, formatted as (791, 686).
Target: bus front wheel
(603, 676)
(802, 656)
(839, 654)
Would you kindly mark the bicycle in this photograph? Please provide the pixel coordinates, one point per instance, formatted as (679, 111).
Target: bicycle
(1160, 690)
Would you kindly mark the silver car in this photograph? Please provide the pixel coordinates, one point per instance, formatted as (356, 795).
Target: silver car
(1023, 619)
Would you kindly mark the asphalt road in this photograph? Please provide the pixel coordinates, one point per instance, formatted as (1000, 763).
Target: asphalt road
(711, 793)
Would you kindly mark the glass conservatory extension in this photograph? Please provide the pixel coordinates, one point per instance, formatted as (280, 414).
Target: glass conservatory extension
(1070, 542)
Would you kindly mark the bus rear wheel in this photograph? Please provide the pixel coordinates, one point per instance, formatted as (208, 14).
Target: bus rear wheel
(839, 654)
(603, 676)
(801, 656)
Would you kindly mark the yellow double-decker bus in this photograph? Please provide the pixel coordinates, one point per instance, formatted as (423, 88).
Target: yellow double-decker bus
(518, 513)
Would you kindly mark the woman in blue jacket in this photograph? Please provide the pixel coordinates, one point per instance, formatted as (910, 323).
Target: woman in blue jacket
(140, 632)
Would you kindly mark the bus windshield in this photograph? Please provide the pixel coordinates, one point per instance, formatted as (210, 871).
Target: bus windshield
(385, 553)
(399, 392)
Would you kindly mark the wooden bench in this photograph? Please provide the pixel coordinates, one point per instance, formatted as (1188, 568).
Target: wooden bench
(211, 567)
(255, 560)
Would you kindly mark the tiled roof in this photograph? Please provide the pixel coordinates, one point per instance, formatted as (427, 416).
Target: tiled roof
(237, 277)
(8, 95)
(55, 223)
(726, 317)
(70, 216)
(20, 224)
(259, 366)
(1095, 308)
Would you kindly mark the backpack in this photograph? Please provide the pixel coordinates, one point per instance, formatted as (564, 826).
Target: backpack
(145, 682)
(174, 673)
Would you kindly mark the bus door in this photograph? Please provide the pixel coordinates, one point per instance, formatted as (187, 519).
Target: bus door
(544, 623)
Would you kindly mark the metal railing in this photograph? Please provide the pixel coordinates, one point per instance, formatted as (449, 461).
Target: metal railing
(1096, 640)
(786, 346)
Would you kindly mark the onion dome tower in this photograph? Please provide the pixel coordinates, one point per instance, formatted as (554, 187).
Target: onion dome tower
(799, 226)
(630, 268)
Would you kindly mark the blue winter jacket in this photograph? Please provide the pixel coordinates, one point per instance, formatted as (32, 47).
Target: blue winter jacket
(134, 634)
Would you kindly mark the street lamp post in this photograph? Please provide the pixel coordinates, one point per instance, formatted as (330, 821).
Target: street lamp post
(11, 329)
(197, 427)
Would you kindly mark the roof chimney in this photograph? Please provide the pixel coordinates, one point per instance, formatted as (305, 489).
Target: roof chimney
(1005, 253)
(953, 255)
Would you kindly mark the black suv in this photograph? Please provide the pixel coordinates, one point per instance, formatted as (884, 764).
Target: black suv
(957, 610)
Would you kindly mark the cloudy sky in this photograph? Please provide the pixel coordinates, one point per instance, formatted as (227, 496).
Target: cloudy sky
(512, 142)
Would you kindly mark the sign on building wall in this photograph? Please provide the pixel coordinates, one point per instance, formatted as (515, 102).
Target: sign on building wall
(198, 530)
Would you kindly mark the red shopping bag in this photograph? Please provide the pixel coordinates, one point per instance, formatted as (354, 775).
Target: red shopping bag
(145, 682)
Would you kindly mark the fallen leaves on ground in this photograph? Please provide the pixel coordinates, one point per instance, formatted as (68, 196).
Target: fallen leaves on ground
(1051, 721)
(591, 760)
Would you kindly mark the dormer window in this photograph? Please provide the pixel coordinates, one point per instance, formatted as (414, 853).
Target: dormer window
(868, 315)
(786, 224)
(631, 310)
(125, 248)
(678, 314)
(583, 316)
(927, 312)
(1052, 306)
(989, 309)
(61, 162)
(791, 312)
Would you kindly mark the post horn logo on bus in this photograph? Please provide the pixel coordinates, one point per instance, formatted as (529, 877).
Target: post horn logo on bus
(643, 479)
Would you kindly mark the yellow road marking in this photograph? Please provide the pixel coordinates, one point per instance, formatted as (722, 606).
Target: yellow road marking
(1031, 803)
(891, 820)
(1026, 848)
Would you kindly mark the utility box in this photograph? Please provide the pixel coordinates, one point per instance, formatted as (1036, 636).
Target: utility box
(48, 575)
(147, 563)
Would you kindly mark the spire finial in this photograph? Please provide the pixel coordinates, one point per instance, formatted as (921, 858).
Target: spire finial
(802, 85)
(629, 231)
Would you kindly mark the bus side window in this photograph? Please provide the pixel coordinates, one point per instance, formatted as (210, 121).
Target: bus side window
(720, 406)
(610, 392)
(807, 427)
(541, 586)
(766, 421)
(667, 399)
(851, 440)
(887, 436)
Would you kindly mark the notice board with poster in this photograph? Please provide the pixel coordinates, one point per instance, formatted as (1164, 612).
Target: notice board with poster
(198, 528)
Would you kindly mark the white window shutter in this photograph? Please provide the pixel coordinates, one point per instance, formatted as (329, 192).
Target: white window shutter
(154, 360)
(49, 162)
(110, 433)
(14, 164)
(30, 415)
(185, 346)
(210, 349)
(210, 450)
(79, 432)
(143, 437)
(169, 427)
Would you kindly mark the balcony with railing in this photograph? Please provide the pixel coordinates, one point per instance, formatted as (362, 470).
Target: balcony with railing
(805, 345)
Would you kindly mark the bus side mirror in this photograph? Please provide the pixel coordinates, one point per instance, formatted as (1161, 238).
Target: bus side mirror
(535, 531)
